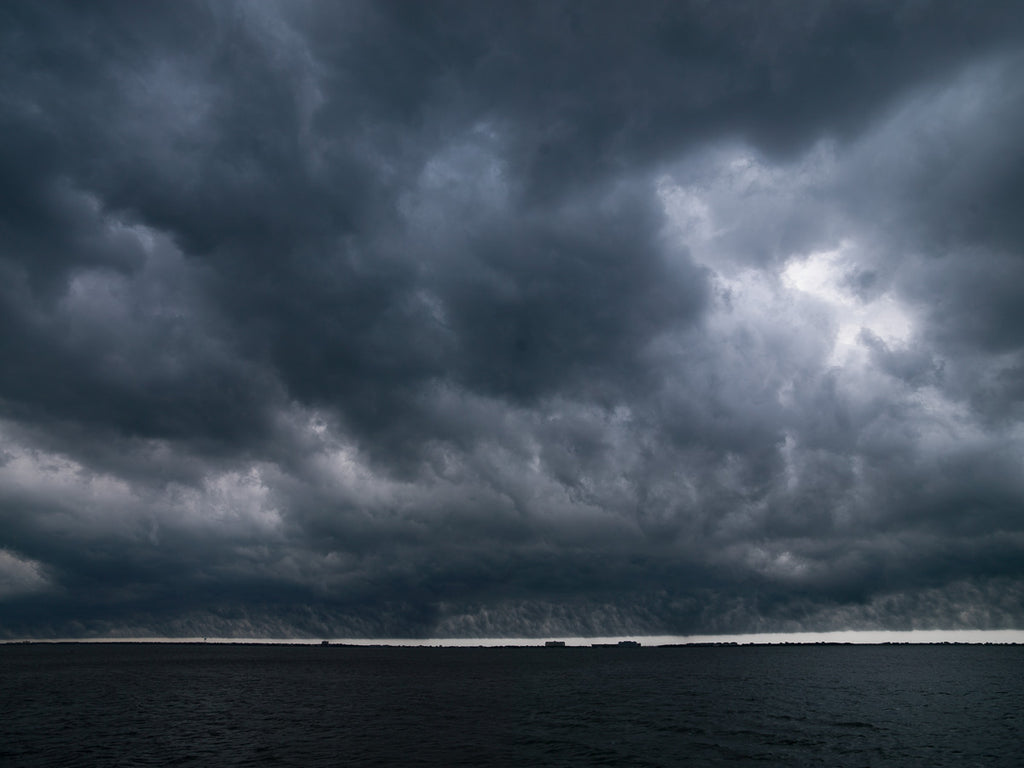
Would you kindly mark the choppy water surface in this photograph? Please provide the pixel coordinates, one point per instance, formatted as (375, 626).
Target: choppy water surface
(131, 705)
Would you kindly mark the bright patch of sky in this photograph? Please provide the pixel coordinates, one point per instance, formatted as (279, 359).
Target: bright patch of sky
(822, 275)
(731, 218)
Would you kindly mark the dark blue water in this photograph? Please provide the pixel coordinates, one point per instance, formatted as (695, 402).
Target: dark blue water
(136, 705)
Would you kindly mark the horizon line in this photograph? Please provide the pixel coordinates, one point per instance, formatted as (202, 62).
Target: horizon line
(852, 637)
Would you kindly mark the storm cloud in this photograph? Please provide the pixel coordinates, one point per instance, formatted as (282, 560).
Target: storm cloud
(489, 319)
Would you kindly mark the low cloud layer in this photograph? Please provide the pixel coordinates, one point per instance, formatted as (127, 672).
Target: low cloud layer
(462, 319)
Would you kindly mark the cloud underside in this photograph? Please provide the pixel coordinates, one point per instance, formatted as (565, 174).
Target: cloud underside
(372, 320)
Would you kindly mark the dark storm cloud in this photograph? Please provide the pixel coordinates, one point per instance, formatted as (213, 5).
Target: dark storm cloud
(378, 318)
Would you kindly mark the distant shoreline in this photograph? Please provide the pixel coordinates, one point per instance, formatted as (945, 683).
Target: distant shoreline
(909, 637)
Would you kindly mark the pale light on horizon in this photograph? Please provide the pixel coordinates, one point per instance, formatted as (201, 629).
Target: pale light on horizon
(854, 637)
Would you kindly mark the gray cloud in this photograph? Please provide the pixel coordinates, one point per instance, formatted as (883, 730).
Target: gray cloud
(381, 319)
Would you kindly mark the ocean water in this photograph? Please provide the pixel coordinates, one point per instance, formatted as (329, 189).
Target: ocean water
(246, 705)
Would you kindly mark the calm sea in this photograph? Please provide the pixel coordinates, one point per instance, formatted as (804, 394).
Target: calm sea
(245, 705)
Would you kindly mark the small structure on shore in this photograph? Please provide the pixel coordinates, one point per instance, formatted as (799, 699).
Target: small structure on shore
(555, 644)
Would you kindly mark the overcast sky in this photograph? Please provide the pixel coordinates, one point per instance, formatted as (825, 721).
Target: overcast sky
(502, 318)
